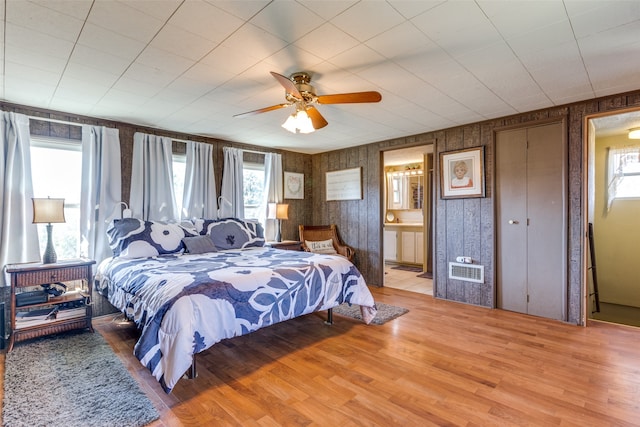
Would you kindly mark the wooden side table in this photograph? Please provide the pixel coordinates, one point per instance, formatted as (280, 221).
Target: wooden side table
(287, 245)
(71, 310)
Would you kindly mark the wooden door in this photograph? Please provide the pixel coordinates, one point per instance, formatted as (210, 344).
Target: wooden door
(531, 220)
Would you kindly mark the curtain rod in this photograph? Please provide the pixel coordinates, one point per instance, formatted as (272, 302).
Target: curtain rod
(46, 119)
(252, 151)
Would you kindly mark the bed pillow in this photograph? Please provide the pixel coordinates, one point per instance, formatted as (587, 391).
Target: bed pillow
(321, 247)
(199, 244)
(232, 233)
(135, 238)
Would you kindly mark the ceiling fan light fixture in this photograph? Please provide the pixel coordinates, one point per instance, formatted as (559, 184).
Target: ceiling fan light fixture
(634, 133)
(299, 122)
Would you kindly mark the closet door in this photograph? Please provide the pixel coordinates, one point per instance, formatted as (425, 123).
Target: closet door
(531, 215)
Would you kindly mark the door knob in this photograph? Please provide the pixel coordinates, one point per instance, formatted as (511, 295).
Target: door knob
(513, 221)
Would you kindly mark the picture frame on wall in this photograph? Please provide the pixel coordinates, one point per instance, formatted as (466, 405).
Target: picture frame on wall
(462, 173)
(293, 185)
(345, 184)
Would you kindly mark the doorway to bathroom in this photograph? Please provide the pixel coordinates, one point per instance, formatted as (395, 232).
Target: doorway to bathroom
(407, 219)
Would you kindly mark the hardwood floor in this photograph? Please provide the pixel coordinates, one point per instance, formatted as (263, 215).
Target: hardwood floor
(441, 364)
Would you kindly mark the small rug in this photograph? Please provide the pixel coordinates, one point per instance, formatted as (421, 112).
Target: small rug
(385, 312)
(71, 379)
(407, 268)
(425, 275)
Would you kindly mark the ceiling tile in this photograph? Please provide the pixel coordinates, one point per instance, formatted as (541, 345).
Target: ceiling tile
(182, 43)
(99, 62)
(326, 41)
(44, 20)
(518, 18)
(593, 17)
(206, 20)
(242, 9)
(110, 42)
(33, 74)
(74, 8)
(38, 60)
(410, 9)
(159, 9)
(119, 18)
(92, 75)
(35, 42)
(380, 17)
(403, 40)
(287, 20)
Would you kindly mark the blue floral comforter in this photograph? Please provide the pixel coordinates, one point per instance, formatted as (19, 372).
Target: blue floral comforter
(186, 303)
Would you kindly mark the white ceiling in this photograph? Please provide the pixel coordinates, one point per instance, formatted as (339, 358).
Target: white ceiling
(189, 66)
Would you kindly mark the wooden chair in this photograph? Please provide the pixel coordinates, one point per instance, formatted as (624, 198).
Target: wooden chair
(314, 233)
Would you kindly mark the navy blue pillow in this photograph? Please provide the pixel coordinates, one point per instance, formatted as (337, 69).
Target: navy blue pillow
(135, 238)
(232, 233)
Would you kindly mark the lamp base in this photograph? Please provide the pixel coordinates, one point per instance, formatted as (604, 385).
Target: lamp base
(278, 226)
(49, 256)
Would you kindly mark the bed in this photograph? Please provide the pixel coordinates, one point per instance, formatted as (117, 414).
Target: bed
(189, 288)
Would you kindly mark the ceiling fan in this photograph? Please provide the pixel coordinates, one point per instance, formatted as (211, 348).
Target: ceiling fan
(300, 94)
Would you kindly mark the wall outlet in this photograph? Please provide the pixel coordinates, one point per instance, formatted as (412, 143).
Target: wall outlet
(460, 259)
(464, 259)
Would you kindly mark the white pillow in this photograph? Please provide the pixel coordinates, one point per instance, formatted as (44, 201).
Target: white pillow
(321, 247)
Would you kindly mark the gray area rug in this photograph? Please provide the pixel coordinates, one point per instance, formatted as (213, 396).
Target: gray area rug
(385, 312)
(71, 379)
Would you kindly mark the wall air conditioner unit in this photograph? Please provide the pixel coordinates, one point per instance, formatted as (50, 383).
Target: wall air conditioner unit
(466, 272)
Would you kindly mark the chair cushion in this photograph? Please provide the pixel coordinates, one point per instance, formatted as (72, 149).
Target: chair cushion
(321, 246)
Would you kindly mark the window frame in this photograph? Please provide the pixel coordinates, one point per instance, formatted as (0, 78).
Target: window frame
(61, 144)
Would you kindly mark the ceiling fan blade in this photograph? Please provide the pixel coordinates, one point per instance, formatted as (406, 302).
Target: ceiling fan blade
(288, 85)
(262, 110)
(316, 118)
(349, 98)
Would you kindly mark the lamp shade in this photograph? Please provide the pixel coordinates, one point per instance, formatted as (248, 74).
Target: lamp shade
(634, 133)
(299, 122)
(48, 210)
(277, 211)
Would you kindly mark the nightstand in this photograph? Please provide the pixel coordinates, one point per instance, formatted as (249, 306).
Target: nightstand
(39, 315)
(287, 245)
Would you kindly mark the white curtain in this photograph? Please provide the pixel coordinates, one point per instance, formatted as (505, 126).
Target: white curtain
(101, 192)
(232, 191)
(152, 197)
(200, 197)
(272, 192)
(18, 235)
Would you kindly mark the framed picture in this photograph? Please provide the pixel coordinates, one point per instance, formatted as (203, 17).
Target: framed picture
(345, 184)
(293, 185)
(462, 173)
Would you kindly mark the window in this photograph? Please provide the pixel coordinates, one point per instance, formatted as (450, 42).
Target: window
(179, 171)
(253, 183)
(623, 174)
(627, 162)
(56, 170)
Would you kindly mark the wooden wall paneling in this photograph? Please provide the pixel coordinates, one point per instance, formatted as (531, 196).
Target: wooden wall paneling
(370, 229)
(487, 224)
(448, 212)
(574, 134)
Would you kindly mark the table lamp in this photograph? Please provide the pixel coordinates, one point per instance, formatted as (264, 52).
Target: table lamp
(278, 211)
(48, 211)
